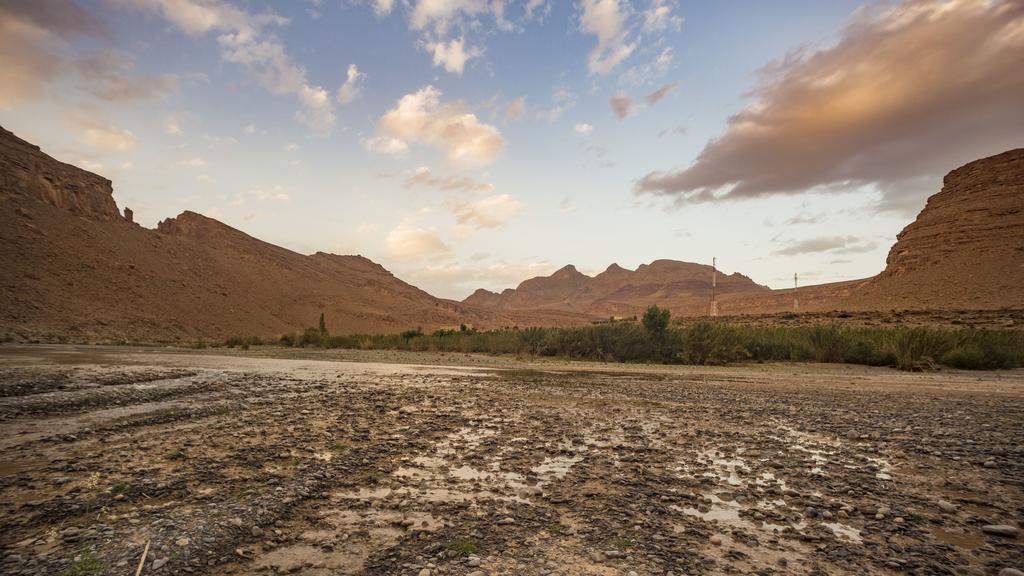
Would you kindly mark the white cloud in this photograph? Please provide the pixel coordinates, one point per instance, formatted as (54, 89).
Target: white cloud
(424, 177)
(172, 124)
(453, 55)
(244, 39)
(407, 241)
(291, 147)
(605, 19)
(108, 138)
(658, 17)
(441, 13)
(489, 212)
(583, 128)
(196, 162)
(421, 117)
(383, 7)
(386, 145)
(456, 280)
(352, 86)
(516, 109)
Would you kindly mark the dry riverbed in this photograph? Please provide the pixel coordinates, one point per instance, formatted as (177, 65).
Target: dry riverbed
(245, 463)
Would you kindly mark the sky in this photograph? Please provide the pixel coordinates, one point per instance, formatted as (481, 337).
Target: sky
(477, 143)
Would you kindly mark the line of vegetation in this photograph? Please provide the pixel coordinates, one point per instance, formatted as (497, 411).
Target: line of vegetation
(656, 339)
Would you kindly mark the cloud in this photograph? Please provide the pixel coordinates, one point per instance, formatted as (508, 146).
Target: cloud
(108, 138)
(658, 17)
(489, 212)
(383, 7)
(106, 76)
(353, 85)
(196, 162)
(35, 50)
(407, 241)
(583, 128)
(246, 38)
(516, 109)
(457, 280)
(659, 94)
(647, 72)
(424, 177)
(622, 105)
(907, 92)
(441, 13)
(421, 117)
(536, 9)
(605, 19)
(386, 145)
(831, 244)
(453, 55)
(172, 124)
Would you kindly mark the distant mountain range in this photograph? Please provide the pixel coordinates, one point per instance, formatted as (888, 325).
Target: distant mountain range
(76, 267)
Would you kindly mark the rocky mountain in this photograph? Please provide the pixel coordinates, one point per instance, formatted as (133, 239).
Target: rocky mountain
(75, 267)
(966, 247)
(682, 286)
(965, 250)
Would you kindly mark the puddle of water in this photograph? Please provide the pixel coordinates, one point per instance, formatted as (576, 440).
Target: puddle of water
(555, 468)
(958, 539)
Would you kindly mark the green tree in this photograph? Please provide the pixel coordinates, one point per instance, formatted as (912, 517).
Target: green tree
(656, 321)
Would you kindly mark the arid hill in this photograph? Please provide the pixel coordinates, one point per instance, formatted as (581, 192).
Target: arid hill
(682, 286)
(965, 248)
(965, 251)
(75, 267)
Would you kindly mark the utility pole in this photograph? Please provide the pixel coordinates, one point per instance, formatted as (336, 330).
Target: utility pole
(796, 303)
(714, 286)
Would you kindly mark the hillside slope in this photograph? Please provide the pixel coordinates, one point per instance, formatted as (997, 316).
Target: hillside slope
(964, 251)
(75, 267)
(683, 287)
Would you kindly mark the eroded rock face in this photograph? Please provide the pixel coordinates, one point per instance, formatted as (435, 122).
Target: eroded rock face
(965, 250)
(27, 170)
(980, 212)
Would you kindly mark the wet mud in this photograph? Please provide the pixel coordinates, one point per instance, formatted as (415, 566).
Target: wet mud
(254, 466)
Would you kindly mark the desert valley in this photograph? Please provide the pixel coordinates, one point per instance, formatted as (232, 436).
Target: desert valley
(810, 362)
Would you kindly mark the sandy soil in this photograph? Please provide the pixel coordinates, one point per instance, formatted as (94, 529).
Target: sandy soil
(345, 462)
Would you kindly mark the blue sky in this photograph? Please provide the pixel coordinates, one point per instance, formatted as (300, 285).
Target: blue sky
(473, 143)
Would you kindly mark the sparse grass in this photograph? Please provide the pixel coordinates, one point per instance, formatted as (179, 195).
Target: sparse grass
(119, 488)
(706, 342)
(463, 546)
(85, 565)
(176, 455)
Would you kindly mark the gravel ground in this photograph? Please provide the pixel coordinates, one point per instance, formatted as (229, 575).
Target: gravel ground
(392, 463)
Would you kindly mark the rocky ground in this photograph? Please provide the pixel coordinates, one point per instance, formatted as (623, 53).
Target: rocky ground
(258, 465)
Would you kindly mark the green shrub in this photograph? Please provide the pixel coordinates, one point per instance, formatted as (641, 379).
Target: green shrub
(711, 343)
(917, 348)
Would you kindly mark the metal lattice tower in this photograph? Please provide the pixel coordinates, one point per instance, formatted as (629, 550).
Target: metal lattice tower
(714, 287)
(796, 303)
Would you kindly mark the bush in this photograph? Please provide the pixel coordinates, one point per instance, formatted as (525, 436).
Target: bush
(707, 343)
(918, 348)
(711, 343)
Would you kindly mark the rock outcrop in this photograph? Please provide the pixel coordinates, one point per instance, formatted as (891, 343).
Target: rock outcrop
(74, 268)
(26, 170)
(966, 247)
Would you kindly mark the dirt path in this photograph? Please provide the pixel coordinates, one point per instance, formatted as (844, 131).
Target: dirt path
(249, 464)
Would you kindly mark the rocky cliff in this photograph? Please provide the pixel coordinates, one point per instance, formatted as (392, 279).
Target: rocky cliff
(965, 248)
(27, 171)
(74, 268)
